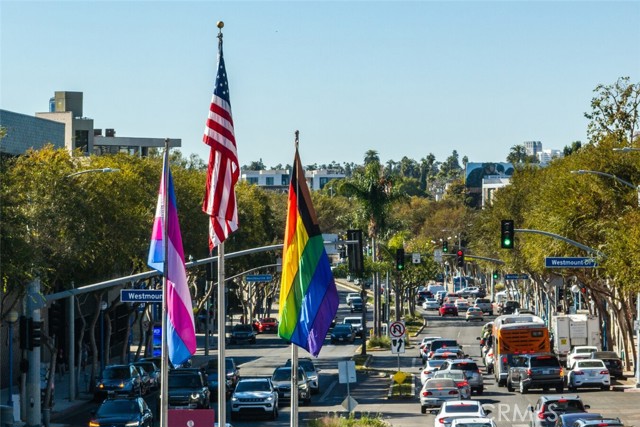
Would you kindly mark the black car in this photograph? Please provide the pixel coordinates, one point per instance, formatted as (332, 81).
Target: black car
(123, 412)
(508, 307)
(538, 370)
(343, 332)
(357, 304)
(119, 380)
(188, 389)
(243, 333)
(612, 361)
(232, 375)
(152, 371)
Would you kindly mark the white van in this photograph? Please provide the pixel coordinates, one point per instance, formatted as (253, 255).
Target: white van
(356, 324)
(434, 289)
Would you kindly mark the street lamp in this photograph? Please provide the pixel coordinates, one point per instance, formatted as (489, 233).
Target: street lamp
(103, 307)
(12, 317)
(102, 170)
(637, 188)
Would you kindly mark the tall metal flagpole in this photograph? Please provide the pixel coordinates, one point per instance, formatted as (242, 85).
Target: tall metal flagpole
(164, 370)
(222, 376)
(294, 348)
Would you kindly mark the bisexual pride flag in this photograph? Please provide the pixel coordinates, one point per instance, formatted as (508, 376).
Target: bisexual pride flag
(181, 334)
(308, 294)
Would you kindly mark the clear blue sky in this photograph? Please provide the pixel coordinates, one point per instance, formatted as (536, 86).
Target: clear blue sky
(401, 78)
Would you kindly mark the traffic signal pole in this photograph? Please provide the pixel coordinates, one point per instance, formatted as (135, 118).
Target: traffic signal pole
(34, 303)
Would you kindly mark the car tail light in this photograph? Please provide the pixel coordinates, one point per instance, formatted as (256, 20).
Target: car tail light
(604, 372)
(541, 413)
(578, 373)
(426, 393)
(529, 373)
(562, 372)
(462, 384)
(426, 372)
(442, 420)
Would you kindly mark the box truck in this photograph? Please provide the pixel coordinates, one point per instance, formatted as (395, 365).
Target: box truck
(570, 330)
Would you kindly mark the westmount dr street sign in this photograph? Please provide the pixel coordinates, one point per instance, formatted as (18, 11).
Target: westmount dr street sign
(259, 277)
(570, 262)
(140, 295)
(516, 276)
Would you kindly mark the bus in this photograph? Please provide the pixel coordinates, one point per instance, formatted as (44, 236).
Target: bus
(516, 334)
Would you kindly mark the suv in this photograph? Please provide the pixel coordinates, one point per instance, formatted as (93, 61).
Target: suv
(243, 333)
(311, 371)
(356, 324)
(254, 395)
(357, 304)
(508, 307)
(351, 296)
(538, 370)
(188, 388)
(484, 304)
(119, 380)
(232, 374)
(281, 380)
(549, 407)
(440, 343)
(471, 372)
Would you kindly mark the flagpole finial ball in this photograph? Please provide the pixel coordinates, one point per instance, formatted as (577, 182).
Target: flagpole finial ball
(220, 24)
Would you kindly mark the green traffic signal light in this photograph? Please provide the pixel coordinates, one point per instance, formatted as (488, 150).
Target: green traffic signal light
(506, 234)
(445, 246)
(400, 259)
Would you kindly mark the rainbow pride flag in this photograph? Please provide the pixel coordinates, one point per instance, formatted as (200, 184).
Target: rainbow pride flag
(308, 294)
(181, 333)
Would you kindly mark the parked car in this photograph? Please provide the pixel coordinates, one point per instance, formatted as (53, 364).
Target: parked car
(130, 412)
(188, 389)
(436, 391)
(351, 296)
(471, 372)
(474, 313)
(612, 361)
(548, 408)
(119, 380)
(470, 291)
(254, 396)
(580, 352)
(281, 379)
(449, 411)
(266, 324)
(243, 332)
(588, 373)
(448, 309)
(536, 370)
(484, 304)
(343, 332)
(312, 372)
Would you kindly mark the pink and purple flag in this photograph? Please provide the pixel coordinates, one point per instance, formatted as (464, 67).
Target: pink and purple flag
(181, 335)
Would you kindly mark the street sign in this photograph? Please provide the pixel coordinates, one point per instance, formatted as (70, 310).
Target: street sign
(140, 295)
(516, 276)
(397, 329)
(259, 278)
(347, 371)
(349, 403)
(437, 255)
(397, 345)
(415, 258)
(570, 262)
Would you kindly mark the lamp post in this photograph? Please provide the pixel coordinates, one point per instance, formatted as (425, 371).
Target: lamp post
(637, 188)
(103, 307)
(12, 317)
(102, 170)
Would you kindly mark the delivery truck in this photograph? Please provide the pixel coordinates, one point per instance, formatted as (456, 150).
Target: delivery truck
(570, 330)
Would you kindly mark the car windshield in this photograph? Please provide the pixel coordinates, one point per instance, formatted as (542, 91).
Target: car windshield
(355, 321)
(585, 350)
(606, 354)
(184, 381)
(591, 364)
(115, 407)
(342, 328)
(458, 409)
(284, 374)
(147, 366)
(268, 320)
(116, 373)
(242, 328)
(244, 386)
(565, 405)
(465, 366)
(440, 383)
(544, 362)
(454, 375)
(472, 424)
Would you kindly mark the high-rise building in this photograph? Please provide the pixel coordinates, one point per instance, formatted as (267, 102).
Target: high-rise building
(533, 147)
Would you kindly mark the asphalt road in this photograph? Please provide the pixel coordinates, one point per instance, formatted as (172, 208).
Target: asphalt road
(371, 390)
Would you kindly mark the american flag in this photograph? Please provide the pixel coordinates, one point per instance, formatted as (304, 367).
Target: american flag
(223, 171)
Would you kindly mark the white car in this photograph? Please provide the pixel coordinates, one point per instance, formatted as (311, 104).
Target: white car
(351, 296)
(462, 305)
(452, 410)
(580, 352)
(588, 373)
(436, 391)
(430, 304)
(356, 324)
(460, 379)
(430, 368)
(473, 422)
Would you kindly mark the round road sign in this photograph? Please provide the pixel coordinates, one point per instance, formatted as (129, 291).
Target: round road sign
(397, 329)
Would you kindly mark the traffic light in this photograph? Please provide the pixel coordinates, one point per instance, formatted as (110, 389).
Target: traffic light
(445, 246)
(496, 275)
(506, 234)
(400, 259)
(56, 320)
(354, 252)
(35, 335)
(583, 289)
(460, 258)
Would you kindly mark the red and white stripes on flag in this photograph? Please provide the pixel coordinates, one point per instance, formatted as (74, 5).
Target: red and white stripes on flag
(224, 170)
